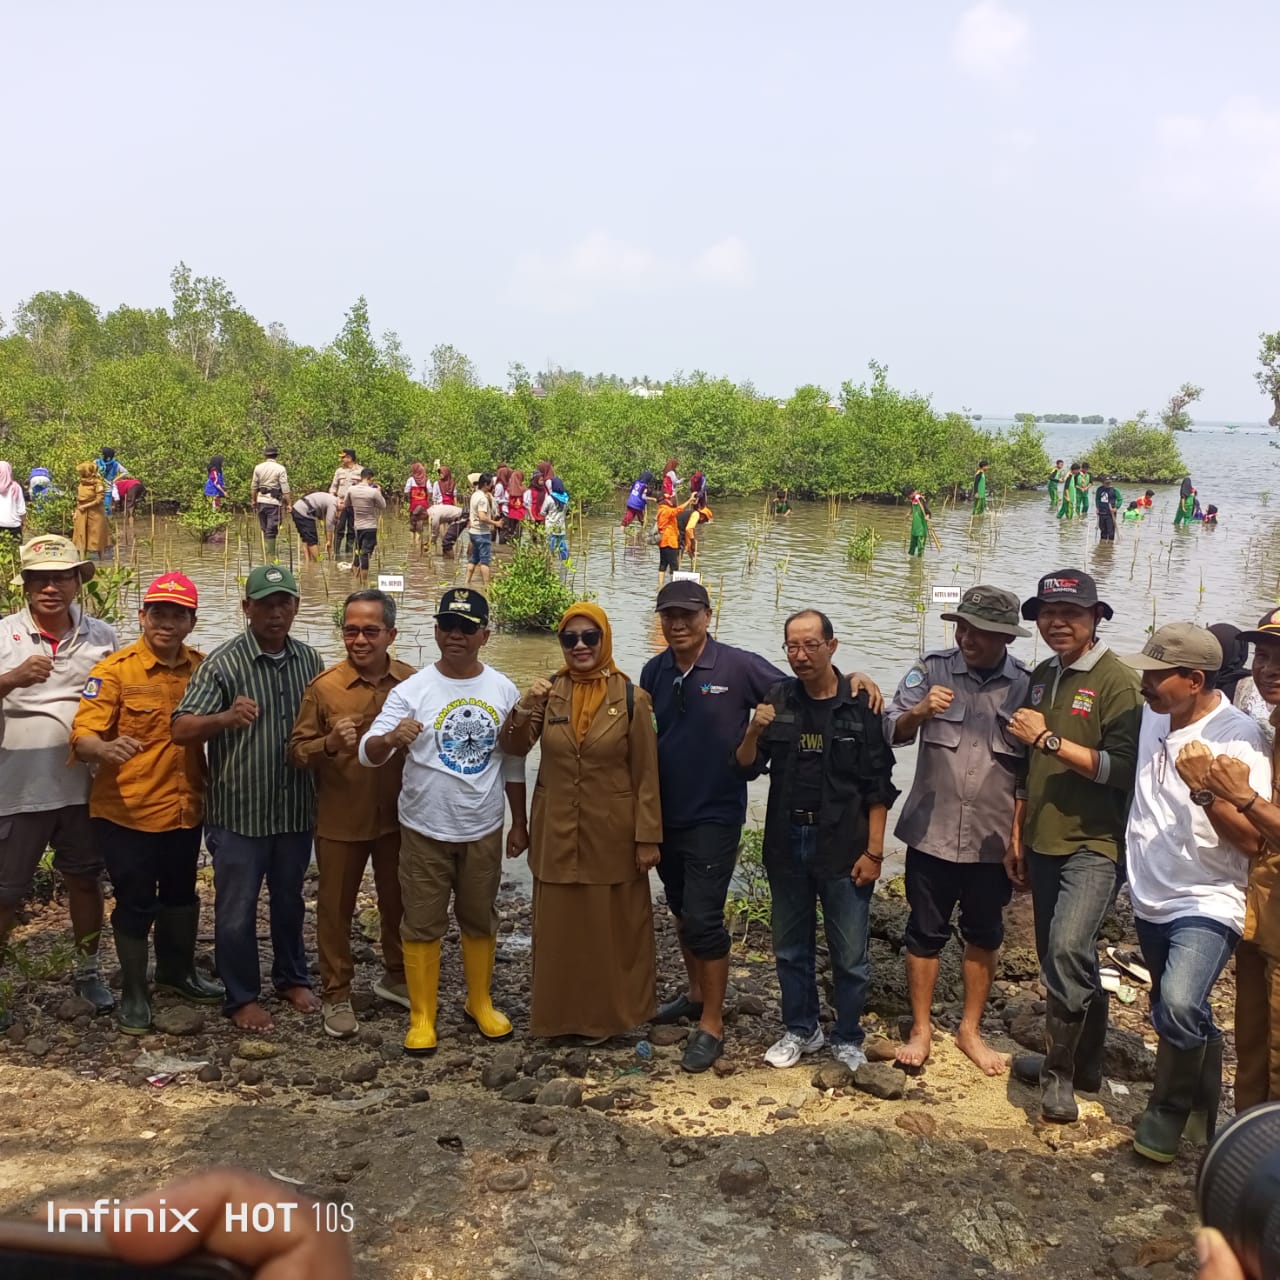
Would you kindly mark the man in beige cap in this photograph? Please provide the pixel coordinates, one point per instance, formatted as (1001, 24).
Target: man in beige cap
(956, 821)
(47, 650)
(1188, 856)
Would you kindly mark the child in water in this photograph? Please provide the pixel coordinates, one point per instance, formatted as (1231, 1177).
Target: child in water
(1132, 513)
(1211, 517)
(781, 507)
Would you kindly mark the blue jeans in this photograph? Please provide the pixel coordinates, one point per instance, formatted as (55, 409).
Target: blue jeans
(1071, 896)
(845, 911)
(240, 864)
(1186, 957)
(559, 544)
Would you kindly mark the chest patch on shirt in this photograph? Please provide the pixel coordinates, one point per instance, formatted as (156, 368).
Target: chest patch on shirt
(92, 687)
(1082, 703)
(715, 688)
(915, 678)
(467, 733)
(1037, 694)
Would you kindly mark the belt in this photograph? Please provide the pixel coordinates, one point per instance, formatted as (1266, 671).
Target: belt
(803, 818)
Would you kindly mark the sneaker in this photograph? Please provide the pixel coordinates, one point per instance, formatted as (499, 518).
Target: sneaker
(396, 992)
(340, 1020)
(792, 1047)
(850, 1054)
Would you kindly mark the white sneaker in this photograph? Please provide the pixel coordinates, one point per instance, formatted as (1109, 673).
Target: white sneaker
(792, 1047)
(850, 1054)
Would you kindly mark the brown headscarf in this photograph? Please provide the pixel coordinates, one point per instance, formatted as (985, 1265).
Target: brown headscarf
(589, 687)
(419, 474)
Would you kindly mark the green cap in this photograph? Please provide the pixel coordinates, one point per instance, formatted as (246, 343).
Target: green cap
(1180, 644)
(267, 579)
(988, 609)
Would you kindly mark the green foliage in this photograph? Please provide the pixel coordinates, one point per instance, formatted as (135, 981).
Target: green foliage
(749, 902)
(1092, 419)
(106, 594)
(861, 547)
(204, 521)
(1137, 452)
(1268, 374)
(529, 594)
(1174, 416)
(41, 966)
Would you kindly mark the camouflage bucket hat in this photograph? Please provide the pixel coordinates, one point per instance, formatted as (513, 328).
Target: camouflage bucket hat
(988, 609)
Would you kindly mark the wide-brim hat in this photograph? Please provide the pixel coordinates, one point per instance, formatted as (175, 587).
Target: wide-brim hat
(1066, 586)
(988, 609)
(51, 553)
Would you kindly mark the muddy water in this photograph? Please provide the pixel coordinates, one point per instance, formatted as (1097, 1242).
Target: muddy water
(759, 570)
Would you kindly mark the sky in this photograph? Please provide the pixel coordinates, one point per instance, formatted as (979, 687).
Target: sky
(1015, 205)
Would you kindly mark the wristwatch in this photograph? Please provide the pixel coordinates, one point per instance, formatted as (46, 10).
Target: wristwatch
(1051, 745)
(1202, 797)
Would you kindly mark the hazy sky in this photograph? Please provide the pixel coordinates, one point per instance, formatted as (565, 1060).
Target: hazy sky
(1016, 205)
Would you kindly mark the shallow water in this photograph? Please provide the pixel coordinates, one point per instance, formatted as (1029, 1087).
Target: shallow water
(760, 570)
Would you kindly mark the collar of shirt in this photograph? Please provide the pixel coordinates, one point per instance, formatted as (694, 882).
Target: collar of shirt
(1007, 670)
(151, 660)
(78, 623)
(256, 651)
(351, 677)
(1085, 663)
(706, 659)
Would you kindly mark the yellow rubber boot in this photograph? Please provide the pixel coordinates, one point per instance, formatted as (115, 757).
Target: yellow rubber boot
(477, 968)
(422, 977)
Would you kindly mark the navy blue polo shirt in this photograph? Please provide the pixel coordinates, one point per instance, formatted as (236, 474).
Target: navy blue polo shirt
(700, 724)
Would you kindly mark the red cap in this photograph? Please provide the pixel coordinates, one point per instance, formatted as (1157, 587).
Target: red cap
(172, 588)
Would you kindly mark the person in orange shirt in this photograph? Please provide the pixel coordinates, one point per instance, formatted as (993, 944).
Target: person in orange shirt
(669, 535)
(146, 805)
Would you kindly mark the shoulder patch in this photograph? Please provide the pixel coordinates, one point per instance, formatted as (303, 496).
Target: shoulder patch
(915, 677)
(92, 687)
(1037, 694)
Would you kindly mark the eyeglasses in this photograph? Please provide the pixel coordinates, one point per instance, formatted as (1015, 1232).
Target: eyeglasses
(369, 633)
(45, 577)
(465, 625)
(793, 647)
(572, 639)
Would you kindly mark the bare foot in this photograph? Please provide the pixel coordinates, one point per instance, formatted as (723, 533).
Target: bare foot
(915, 1053)
(976, 1049)
(252, 1017)
(302, 998)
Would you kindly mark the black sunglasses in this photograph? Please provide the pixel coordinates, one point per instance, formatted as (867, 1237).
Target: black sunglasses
(369, 632)
(452, 623)
(571, 639)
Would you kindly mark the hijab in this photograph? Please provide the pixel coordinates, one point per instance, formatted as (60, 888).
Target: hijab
(419, 474)
(1185, 490)
(589, 687)
(9, 487)
(87, 472)
(1235, 658)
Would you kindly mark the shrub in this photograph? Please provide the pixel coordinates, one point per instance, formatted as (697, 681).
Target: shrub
(203, 521)
(861, 546)
(529, 595)
(1136, 452)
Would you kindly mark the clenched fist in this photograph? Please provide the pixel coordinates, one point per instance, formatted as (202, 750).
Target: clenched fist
(1193, 763)
(1229, 779)
(34, 670)
(538, 693)
(405, 733)
(763, 718)
(118, 750)
(242, 713)
(938, 699)
(344, 736)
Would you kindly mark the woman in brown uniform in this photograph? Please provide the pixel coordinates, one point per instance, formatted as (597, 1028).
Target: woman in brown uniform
(595, 829)
(90, 530)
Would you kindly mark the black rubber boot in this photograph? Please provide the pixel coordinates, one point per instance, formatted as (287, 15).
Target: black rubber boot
(1090, 1051)
(135, 996)
(1202, 1123)
(1057, 1077)
(176, 929)
(1159, 1128)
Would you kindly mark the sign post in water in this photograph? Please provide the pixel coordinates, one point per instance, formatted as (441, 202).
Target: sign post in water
(395, 582)
(947, 595)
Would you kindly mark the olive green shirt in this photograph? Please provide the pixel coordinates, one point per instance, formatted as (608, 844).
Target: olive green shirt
(253, 789)
(1095, 702)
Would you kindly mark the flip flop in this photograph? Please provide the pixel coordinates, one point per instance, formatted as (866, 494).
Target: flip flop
(1131, 962)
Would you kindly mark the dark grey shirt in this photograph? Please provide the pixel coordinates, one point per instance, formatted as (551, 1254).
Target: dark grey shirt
(961, 804)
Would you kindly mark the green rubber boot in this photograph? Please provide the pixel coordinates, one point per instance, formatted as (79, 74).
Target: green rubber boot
(176, 929)
(134, 1014)
(1160, 1126)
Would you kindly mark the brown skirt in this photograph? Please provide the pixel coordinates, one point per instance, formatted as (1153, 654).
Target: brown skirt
(91, 530)
(593, 958)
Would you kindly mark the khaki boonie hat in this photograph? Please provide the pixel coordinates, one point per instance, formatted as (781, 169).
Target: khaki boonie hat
(988, 609)
(51, 553)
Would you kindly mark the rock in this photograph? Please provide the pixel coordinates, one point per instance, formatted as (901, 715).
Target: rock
(419, 1095)
(508, 1180)
(743, 1177)
(369, 1037)
(664, 1035)
(786, 1113)
(921, 1123)
(522, 1090)
(74, 1007)
(752, 1006)
(677, 1159)
(251, 1075)
(36, 1047)
(832, 1075)
(576, 1062)
(718, 1104)
(799, 1098)
(878, 1049)
(1027, 1028)
(766, 1101)
(497, 1075)
(1126, 1057)
(560, 1093)
(996, 1231)
(179, 1020)
(879, 1080)
(363, 1001)
(209, 1074)
(16, 1033)
(361, 1072)
(1019, 964)
(257, 1050)
(304, 1080)
(723, 1067)
(544, 1128)
(601, 1102)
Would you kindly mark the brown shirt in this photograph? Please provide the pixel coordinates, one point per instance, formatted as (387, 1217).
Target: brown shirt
(355, 803)
(1261, 914)
(594, 801)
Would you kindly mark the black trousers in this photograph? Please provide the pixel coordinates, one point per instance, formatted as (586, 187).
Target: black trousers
(147, 869)
(346, 528)
(1107, 526)
(366, 541)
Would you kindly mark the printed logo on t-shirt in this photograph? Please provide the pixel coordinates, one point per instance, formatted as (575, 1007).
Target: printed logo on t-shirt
(1082, 703)
(714, 688)
(467, 733)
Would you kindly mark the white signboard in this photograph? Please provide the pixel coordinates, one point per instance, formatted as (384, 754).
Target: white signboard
(395, 582)
(679, 576)
(947, 595)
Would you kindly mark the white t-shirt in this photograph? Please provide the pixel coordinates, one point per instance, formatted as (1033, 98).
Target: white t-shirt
(553, 514)
(481, 501)
(13, 509)
(1178, 865)
(453, 771)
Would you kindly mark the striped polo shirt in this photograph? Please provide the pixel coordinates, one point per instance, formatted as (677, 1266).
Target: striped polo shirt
(253, 789)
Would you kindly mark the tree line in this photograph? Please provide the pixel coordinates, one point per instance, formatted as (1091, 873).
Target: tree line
(169, 387)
